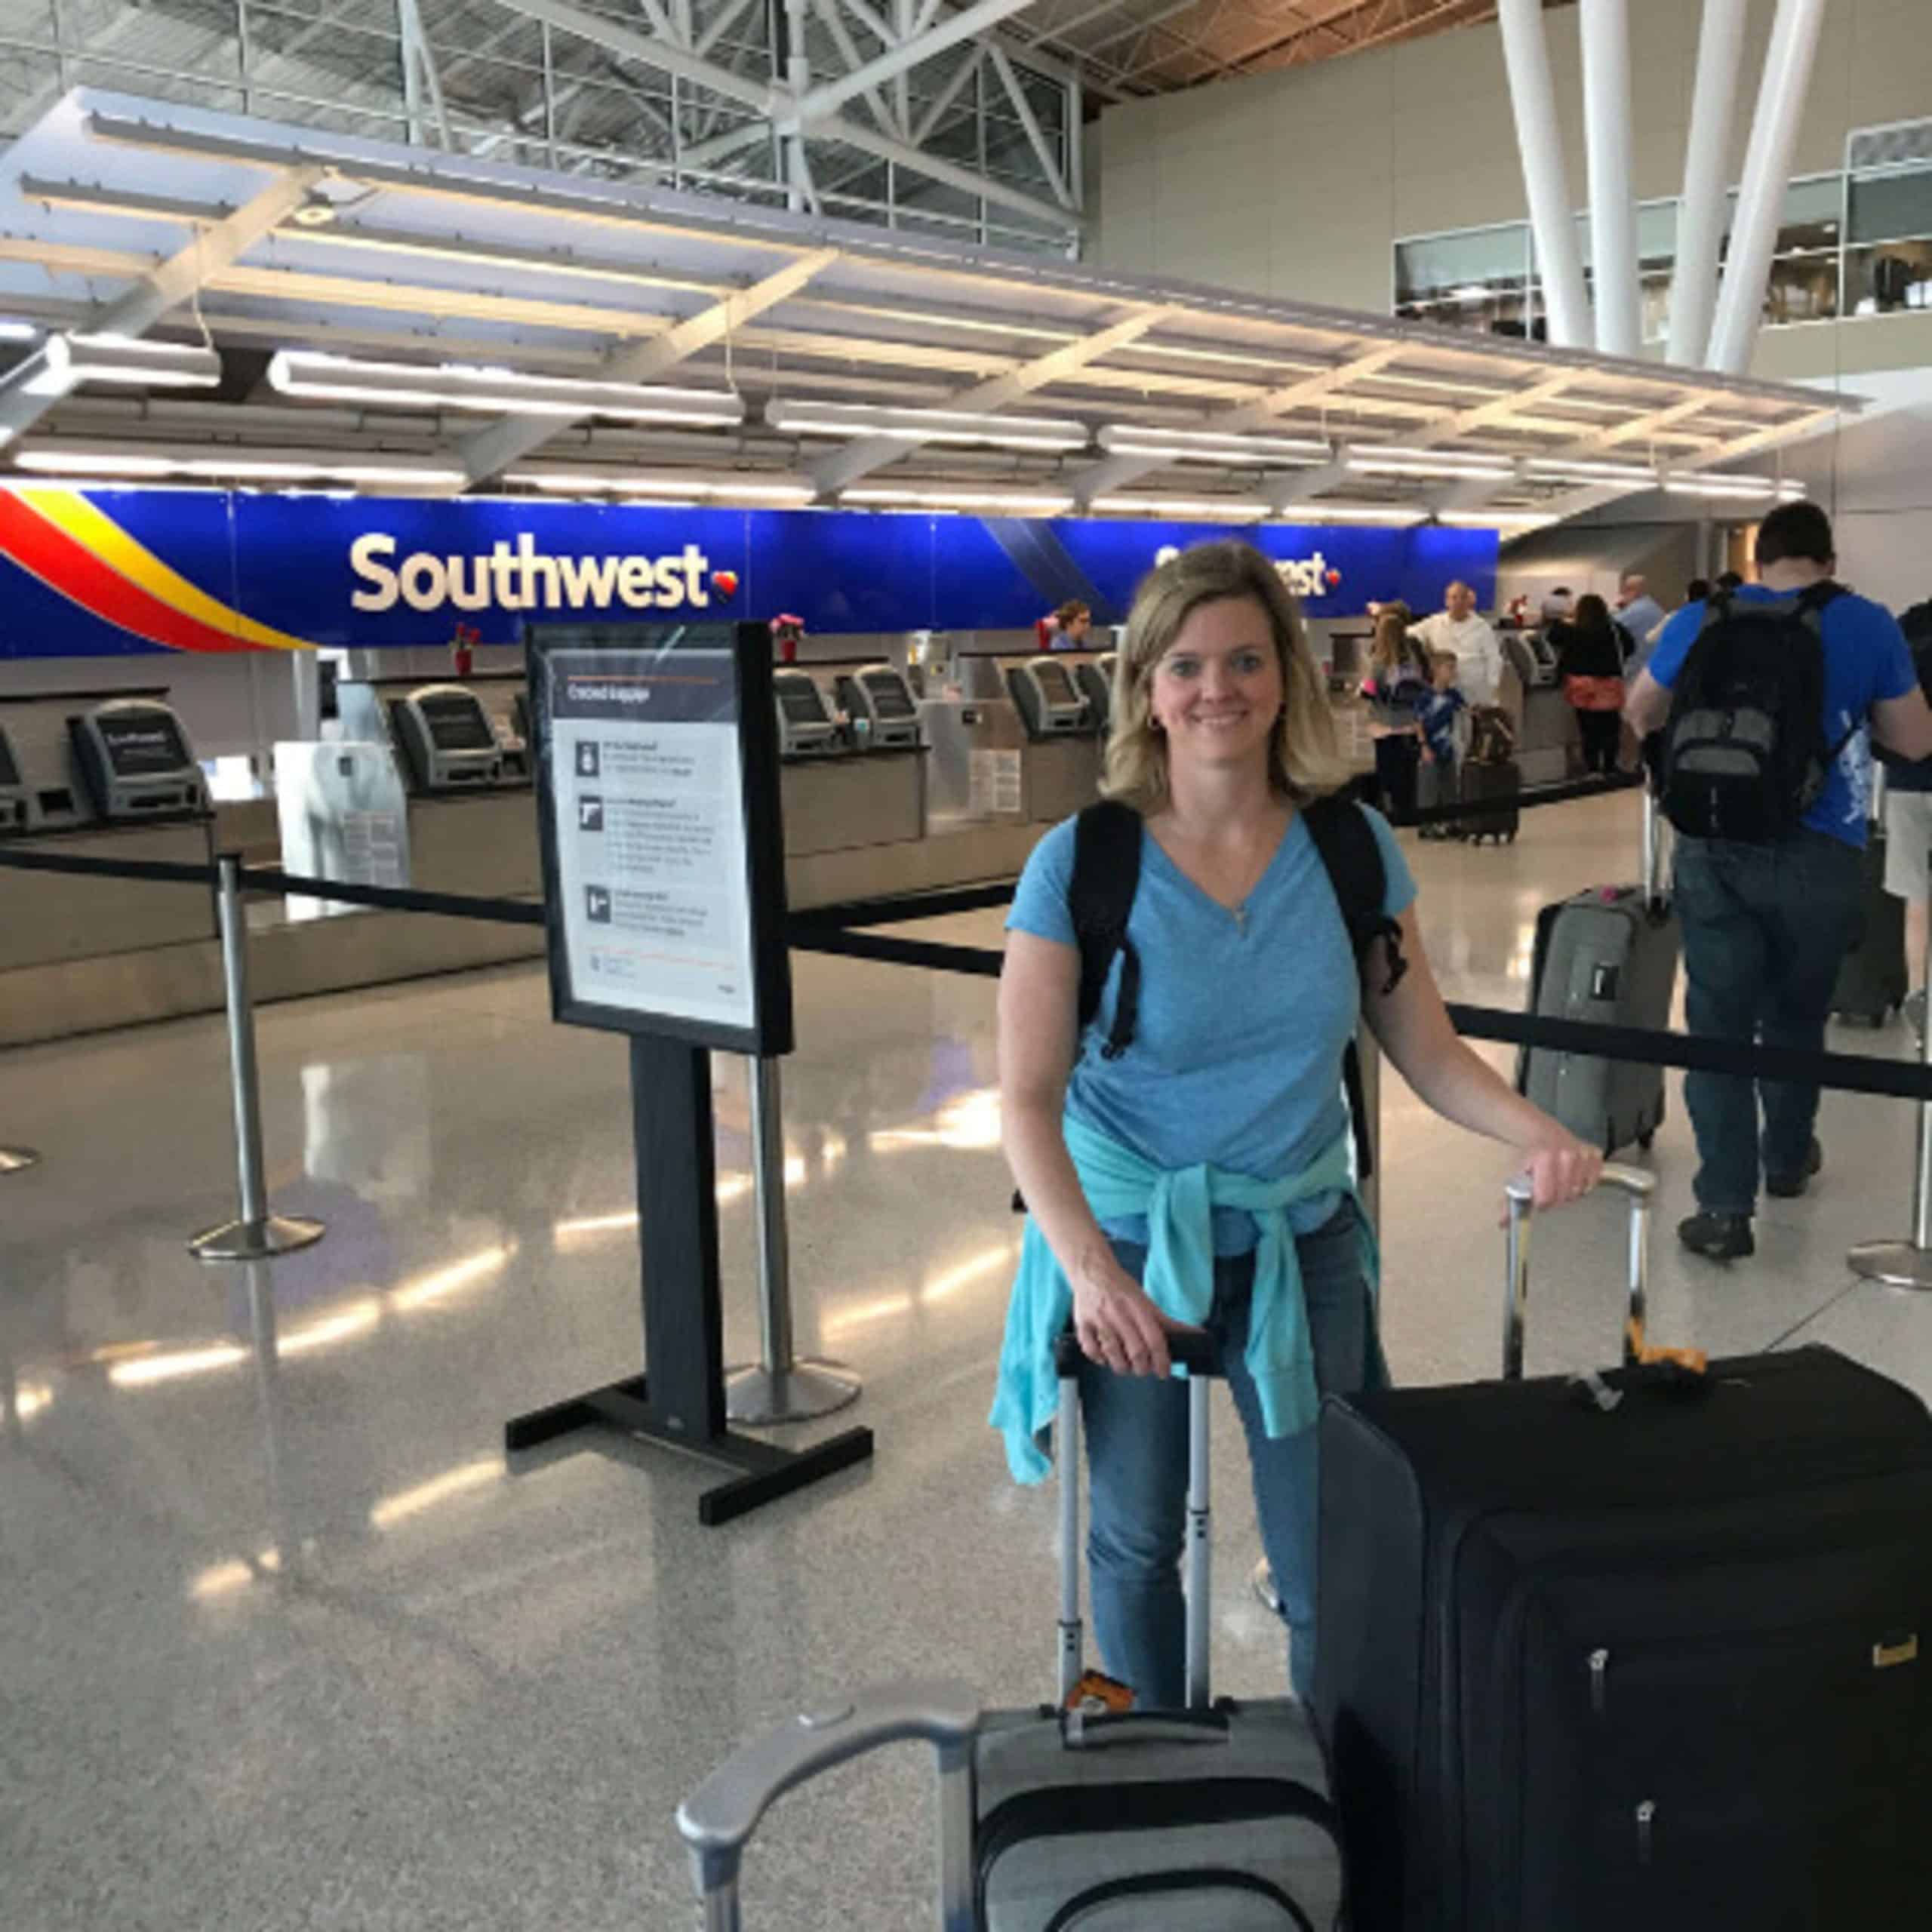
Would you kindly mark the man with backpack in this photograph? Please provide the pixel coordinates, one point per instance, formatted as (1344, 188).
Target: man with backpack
(1765, 696)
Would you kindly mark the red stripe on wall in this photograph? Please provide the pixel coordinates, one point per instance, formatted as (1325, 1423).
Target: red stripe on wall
(49, 553)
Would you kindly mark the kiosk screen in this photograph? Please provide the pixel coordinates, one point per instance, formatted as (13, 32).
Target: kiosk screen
(141, 744)
(889, 698)
(800, 703)
(1053, 680)
(456, 723)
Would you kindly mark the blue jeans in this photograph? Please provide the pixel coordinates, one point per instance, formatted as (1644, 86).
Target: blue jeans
(1136, 1454)
(1765, 930)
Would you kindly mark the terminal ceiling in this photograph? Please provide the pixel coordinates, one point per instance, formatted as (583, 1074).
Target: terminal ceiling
(268, 237)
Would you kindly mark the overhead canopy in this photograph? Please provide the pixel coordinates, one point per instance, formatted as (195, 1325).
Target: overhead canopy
(182, 225)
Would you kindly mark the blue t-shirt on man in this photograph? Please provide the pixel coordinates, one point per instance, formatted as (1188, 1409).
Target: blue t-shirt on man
(1242, 1019)
(1866, 661)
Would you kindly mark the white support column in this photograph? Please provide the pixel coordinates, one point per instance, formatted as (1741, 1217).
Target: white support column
(1526, 53)
(1761, 197)
(1693, 288)
(798, 78)
(1606, 34)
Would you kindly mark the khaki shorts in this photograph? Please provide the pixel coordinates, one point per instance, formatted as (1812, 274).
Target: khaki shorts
(1908, 838)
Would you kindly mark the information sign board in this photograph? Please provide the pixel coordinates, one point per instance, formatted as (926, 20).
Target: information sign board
(656, 765)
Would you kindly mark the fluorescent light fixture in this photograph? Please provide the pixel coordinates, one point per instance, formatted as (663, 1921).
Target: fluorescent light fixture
(1591, 472)
(1394, 514)
(1380, 460)
(310, 373)
(14, 331)
(68, 361)
(1209, 446)
(240, 465)
(1495, 519)
(1752, 488)
(1015, 503)
(747, 489)
(1237, 509)
(93, 462)
(924, 425)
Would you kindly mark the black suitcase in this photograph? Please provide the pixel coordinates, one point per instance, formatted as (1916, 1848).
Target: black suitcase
(1646, 1657)
(1607, 955)
(1493, 789)
(1872, 980)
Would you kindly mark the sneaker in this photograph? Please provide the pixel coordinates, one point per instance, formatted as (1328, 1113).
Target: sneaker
(1789, 1187)
(1717, 1237)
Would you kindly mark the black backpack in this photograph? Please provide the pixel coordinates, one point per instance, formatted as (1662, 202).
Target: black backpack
(1106, 874)
(1744, 755)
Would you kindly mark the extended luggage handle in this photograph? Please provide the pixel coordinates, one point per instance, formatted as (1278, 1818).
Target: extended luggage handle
(1633, 1182)
(719, 1817)
(1199, 1353)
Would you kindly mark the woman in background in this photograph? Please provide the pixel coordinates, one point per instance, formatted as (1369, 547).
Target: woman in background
(1398, 678)
(1592, 649)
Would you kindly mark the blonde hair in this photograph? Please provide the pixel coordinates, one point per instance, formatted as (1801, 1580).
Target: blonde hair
(1304, 759)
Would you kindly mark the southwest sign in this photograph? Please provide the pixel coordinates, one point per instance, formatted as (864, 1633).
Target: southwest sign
(86, 573)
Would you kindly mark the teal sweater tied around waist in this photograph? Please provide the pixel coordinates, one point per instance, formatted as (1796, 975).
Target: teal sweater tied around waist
(1179, 1205)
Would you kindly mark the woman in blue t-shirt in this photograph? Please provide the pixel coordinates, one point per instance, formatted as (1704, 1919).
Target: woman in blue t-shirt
(1203, 1176)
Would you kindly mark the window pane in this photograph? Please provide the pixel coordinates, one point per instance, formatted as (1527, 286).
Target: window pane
(1435, 267)
(1892, 207)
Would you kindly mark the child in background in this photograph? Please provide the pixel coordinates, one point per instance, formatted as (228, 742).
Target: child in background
(1439, 724)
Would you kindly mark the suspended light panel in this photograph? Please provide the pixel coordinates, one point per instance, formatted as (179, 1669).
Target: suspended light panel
(326, 378)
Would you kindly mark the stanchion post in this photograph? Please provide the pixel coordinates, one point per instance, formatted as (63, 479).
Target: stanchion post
(779, 1388)
(255, 1234)
(1908, 1264)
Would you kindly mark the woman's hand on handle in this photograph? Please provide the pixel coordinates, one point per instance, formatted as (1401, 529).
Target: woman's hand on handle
(1561, 1169)
(1117, 1324)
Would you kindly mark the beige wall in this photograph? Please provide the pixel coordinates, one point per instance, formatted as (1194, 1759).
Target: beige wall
(1296, 183)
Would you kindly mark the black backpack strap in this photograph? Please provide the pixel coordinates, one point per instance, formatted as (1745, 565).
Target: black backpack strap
(1352, 856)
(1106, 874)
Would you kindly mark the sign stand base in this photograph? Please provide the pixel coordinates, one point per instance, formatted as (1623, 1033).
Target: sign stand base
(766, 1472)
(682, 1403)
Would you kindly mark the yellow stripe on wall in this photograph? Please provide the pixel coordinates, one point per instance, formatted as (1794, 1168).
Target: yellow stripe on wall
(88, 525)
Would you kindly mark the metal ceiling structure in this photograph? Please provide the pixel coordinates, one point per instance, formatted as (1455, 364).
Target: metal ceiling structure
(145, 219)
(956, 119)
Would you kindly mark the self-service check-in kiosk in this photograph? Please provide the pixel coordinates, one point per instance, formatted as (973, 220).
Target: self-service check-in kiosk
(806, 726)
(1095, 677)
(106, 775)
(1049, 703)
(1546, 734)
(13, 791)
(133, 756)
(446, 740)
(880, 696)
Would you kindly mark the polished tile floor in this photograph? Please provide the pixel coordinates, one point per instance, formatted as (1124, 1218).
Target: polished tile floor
(284, 1644)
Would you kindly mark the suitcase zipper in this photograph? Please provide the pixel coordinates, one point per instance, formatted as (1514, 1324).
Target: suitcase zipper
(1647, 1814)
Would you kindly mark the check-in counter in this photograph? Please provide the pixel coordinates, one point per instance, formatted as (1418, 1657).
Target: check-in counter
(459, 745)
(100, 775)
(857, 798)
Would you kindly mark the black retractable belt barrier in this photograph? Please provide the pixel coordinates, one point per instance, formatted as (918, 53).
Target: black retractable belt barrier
(397, 898)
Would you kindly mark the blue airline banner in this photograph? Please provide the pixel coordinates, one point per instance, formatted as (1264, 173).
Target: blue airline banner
(88, 573)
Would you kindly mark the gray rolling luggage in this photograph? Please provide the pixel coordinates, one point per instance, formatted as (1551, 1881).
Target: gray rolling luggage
(1216, 1817)
(1609, 955)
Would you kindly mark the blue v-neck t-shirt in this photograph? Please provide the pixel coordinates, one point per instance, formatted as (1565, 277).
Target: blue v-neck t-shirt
(1242, 1022)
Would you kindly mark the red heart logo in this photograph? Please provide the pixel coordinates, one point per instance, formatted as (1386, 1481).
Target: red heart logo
(725, 582)
(1334, 577)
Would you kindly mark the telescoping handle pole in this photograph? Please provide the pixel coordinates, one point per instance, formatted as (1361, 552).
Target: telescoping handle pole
(1641, 1187)
(1200, 1355)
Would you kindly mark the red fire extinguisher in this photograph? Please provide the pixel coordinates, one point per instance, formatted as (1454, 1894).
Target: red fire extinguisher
(463, 650)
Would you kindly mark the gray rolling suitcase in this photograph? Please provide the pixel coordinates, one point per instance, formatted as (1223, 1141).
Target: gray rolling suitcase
(1608, 955)
(1216, 1817)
